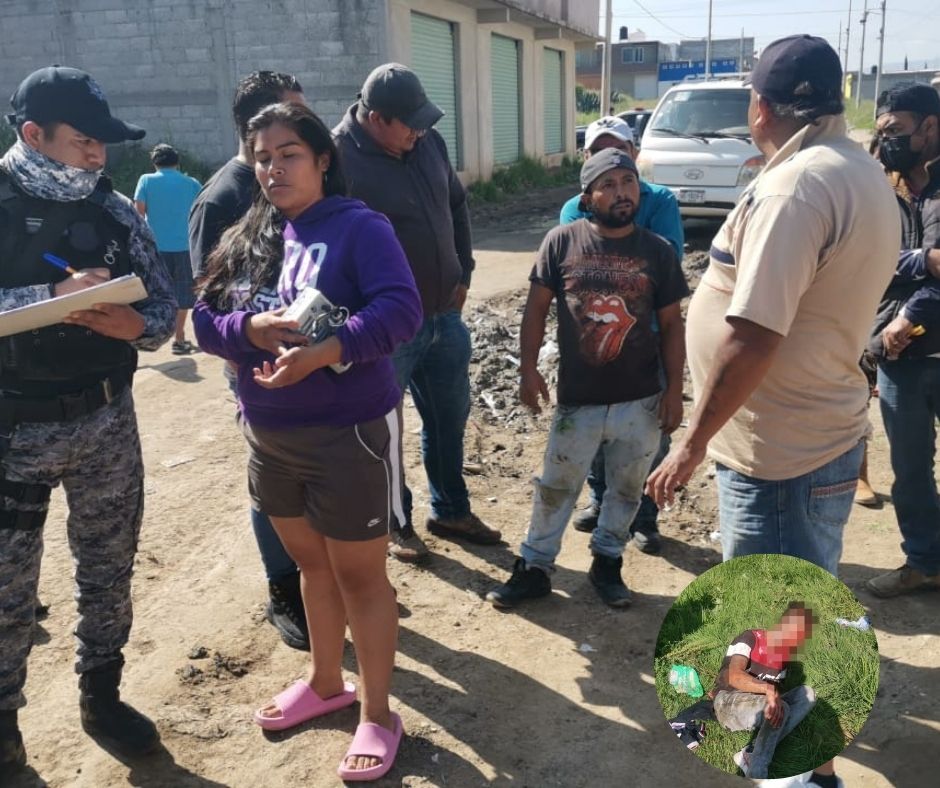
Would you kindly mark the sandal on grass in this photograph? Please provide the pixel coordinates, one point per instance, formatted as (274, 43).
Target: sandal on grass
(372, 741)
(299, 703)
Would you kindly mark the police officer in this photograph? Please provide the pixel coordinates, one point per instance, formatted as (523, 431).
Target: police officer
(66, 411)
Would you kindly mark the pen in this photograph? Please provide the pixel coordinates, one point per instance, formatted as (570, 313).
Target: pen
(918, 331)
(58, 262)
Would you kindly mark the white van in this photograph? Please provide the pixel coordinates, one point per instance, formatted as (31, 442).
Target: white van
(698, 144)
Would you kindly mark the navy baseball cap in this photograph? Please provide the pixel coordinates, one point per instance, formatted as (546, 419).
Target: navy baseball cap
(395, 90)
(909, 97)
(58, 94)
(798, 69)
(604, 161)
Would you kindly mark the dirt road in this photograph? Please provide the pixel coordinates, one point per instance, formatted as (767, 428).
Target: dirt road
(558, 694)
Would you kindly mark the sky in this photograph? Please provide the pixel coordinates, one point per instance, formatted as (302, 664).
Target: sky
(912, 27)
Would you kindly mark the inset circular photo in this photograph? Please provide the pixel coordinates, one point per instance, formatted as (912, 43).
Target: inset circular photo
(766, 666)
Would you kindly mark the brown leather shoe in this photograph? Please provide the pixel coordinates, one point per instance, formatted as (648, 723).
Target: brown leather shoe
(470, 528)
(865, 495)
(904, 580)
(408, 548)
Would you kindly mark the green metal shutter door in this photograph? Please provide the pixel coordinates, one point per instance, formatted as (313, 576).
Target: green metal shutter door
(504, 69)
(433, 59)
(552, 101)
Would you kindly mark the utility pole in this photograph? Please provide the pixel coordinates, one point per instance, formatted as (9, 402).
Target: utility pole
(861, 58)
(741, 55)
(848, 34)
(605, 62)
(708, 44)
(881, 52)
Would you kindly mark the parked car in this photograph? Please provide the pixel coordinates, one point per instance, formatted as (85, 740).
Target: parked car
(697, 143)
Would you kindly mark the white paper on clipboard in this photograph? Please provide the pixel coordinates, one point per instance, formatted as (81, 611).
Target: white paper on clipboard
(123, 290)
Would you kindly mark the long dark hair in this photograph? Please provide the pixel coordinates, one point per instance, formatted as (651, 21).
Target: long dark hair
(253, 248)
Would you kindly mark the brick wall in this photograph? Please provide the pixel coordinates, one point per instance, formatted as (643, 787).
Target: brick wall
(172, 65)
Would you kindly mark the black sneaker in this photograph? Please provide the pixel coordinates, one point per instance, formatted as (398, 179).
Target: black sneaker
(115, 725)
(586, 520)
(12, 753)
(525, 583)
(285, 612)
(646, 538)
(605, 576)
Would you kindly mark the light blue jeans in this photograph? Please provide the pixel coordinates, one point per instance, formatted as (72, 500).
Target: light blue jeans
(803, 516)
(628, 434)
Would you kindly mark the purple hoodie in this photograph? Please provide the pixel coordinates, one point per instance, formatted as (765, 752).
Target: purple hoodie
(351, 254)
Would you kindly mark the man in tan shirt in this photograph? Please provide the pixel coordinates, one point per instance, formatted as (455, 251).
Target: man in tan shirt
(779, 321)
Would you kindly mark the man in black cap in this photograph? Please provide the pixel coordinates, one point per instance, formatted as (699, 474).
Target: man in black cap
(775, 328)
(397, 164)
(66, 410)
(610, 279)
(906, 335)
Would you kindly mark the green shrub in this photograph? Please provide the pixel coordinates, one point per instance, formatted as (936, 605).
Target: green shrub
(527, 173)
(7, 136)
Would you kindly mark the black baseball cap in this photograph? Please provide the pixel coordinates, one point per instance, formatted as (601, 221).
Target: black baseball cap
(909, 97)
(799, 69)
(58, 94)
(604, 161)
(395, 90)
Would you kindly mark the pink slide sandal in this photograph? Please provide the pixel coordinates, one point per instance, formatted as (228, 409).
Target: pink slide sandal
(298, 703)
(372, 741)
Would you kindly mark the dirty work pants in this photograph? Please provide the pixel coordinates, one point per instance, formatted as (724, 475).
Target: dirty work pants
(97, 459)
(435, 366)
(744, 711)
(628, 434)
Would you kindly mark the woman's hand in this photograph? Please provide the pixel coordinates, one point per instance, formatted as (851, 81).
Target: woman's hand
(292, 366)
(270, 331)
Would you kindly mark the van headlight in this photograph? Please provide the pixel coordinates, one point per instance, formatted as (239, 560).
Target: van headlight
(645, 168)
(750, 170)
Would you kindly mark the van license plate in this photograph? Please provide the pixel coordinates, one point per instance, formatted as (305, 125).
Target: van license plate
(694, 196)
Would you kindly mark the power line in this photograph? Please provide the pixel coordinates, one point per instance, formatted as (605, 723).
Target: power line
(652, 16)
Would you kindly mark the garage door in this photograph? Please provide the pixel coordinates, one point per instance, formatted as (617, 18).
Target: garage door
(552, 100)
(434, 60)
(504, 70)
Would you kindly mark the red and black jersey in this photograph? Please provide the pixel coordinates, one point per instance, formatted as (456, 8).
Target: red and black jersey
(762, 662)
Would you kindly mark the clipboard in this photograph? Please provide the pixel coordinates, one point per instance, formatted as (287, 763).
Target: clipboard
(123, 290)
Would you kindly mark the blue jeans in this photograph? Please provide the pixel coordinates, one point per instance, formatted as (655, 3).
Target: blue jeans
(435, 366)
(803, 517)
(649, 511)
(278, 565)
(628, 435)
(910, 408)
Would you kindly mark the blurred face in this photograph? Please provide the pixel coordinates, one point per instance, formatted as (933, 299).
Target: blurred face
(610, 141)
(289, 172)
(393, 136)
(67, 145)
(614, 198)
(793, 631)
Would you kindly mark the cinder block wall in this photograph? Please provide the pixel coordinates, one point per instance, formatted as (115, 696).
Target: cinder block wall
(172, 65)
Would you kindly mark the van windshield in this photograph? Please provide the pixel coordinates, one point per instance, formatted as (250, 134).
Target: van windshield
(703, 113)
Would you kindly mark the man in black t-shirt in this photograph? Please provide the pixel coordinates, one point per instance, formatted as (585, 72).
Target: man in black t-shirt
(747, 692)
(224, 199)
(609, 279)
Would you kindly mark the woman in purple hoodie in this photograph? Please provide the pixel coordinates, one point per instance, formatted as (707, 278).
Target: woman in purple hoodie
(322, 420)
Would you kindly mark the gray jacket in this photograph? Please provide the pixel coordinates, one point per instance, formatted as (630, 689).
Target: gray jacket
(422, 198)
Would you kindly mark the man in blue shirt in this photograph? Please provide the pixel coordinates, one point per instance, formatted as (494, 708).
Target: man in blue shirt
(164, 197)
(659, 212)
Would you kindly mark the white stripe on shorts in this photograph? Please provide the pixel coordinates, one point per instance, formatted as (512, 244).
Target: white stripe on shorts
(394, 455)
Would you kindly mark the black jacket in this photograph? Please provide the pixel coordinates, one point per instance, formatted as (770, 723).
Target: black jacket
(422, 198)
(912, 287)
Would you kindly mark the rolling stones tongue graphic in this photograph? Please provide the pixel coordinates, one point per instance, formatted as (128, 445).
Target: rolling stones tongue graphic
(605, 323)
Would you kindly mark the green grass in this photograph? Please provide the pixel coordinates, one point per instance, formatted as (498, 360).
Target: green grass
(862, 117)
(525, 174)
(840, 663)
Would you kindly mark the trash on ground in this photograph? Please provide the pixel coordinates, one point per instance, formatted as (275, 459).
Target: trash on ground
(685, 680)
(861, 623)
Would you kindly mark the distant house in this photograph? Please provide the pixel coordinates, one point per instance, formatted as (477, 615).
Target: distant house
(634, 65)
(503, 70)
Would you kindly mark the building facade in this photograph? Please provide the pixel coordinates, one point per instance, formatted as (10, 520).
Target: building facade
(503, 70)
(634, 65)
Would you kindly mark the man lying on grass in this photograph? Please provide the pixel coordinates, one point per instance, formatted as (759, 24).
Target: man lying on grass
(747, 694)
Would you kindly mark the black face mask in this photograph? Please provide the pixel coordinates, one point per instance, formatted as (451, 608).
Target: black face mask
(896, 154)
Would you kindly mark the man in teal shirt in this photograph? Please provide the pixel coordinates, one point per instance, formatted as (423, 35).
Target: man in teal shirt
(658, 211)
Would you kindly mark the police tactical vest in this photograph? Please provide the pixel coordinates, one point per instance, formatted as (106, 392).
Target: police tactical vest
(62, 358)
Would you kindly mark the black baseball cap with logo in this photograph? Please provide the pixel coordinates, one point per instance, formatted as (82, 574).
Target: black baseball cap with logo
(395, 90)
(602, 162)
(58, 94)
(799, 69)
